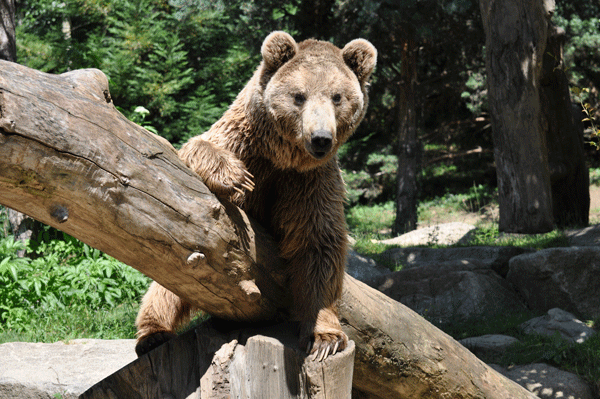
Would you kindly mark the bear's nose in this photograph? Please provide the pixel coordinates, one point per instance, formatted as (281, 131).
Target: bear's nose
(321, 142)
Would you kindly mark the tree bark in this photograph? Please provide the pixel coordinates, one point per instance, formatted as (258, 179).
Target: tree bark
(71, 160)
(569, 176)
(409, 148)
(516, 36)
(8, 44)
(23, 227)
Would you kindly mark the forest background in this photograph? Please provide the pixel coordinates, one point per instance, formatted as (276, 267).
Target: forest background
(174, 66)
(184, 61)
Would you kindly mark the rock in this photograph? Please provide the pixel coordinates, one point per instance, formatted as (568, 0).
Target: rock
(548, 382)
(457, 290)
(566, 278)
(37, 370)
(363, 268)
(488, 345)
(441, 234)
(588, 236)
(495, 257)
(559, 321)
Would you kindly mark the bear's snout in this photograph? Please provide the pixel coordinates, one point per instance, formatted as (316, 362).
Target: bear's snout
(320, 144)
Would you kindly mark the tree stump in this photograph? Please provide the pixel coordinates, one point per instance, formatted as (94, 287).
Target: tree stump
(212, 362)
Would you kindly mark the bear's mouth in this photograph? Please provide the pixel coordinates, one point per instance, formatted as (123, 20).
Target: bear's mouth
(320, 144)
(315, 153)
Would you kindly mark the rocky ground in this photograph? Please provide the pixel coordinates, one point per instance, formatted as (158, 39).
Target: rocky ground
(446, 285)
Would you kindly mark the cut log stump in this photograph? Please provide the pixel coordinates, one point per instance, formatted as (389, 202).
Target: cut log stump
(210, 362)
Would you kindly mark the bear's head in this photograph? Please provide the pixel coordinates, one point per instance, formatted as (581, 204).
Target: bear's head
(314, 95)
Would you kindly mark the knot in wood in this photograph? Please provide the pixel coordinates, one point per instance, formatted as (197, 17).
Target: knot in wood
(250, 289)
(216, 210)
(107, 96)
(195, 258)
(59, 213)
(7, 125)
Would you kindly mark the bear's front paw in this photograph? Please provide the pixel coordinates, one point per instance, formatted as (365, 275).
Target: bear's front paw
(325, 344)
(323, 337)
(229, 179)
(152, 341)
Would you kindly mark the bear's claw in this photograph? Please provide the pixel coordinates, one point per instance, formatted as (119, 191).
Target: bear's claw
(325, 345)
(230, 180)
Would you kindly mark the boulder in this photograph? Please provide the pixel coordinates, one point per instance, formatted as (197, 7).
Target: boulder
(40, 371)
(456, 290)
(441, 234)
(363, 268)
(561, 322)
(494, 257)
(547, 381)
(488, 345)
(566, 278)
(585, 237)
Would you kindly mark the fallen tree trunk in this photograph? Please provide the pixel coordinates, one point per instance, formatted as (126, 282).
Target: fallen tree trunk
(69, 159)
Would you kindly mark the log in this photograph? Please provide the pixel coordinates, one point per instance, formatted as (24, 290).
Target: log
(225, 362)
(69, 159)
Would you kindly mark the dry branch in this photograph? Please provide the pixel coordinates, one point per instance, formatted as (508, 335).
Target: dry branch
(69, 159)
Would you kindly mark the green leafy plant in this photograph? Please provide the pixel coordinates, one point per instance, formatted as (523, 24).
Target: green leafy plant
(580, 95)
(64, 275)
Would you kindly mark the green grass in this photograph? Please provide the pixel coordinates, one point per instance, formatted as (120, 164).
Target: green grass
(498, 324)
(473, 199)
(370, 220)
(490, 236)
(66, 324)
(582, 359)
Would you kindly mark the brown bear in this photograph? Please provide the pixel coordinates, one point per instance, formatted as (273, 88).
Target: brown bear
(274, 154)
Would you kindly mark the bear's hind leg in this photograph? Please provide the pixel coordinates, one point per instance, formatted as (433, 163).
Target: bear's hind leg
(160, 314)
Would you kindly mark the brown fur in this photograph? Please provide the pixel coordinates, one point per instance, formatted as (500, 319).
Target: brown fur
(273, 153)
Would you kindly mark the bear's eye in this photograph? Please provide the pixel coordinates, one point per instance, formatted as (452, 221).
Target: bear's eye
(299, 99)
(337, 99)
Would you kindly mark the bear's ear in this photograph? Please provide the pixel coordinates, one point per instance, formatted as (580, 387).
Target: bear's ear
(277, 49)
(361, 56)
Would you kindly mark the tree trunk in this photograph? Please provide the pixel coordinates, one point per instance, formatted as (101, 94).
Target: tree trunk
(569, 176)
(408, 146)
(516, 35)
(8, 44)
(71, 160)
(23, 227)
